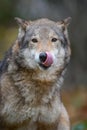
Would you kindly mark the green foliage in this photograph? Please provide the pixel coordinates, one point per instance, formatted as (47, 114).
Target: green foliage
(80, 126)
(6, 10)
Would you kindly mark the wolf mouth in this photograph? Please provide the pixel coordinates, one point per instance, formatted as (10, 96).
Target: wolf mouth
(43, 66)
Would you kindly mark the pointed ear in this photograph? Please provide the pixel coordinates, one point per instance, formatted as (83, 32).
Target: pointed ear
(67, 21)
(22, 23)
(64, 23)
(22, 27)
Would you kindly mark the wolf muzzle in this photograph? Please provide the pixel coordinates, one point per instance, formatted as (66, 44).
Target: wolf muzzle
(46, 58)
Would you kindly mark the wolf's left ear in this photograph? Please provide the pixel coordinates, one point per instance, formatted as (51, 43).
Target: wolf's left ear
(64, 23)
(67, 21)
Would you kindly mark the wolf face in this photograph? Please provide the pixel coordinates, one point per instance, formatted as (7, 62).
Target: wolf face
(43, 44)
(43, 47)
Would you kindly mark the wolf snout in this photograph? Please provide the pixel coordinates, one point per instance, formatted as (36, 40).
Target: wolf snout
(46, 58)
(43, 57)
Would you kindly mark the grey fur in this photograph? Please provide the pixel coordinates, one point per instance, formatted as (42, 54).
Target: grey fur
(30, 93)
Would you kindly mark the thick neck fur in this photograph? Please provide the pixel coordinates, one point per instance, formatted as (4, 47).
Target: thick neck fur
(36, 87)
(29, 97)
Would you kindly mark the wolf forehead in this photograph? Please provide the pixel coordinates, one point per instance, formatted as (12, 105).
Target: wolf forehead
(43, 31)
(42, 26)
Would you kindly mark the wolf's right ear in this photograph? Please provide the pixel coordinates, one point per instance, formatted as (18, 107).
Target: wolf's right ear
(23, 24)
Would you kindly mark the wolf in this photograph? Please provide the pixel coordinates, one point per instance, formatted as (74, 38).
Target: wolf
(31, 76)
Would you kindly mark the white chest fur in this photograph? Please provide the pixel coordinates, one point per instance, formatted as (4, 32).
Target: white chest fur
(47, 113)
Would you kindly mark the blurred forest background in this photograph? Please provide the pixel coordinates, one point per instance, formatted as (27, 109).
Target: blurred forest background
(76, 78)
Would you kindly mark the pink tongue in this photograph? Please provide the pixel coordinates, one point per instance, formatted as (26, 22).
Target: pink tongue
(49, 59)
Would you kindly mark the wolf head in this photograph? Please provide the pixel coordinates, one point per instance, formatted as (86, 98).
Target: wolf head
(42, 44)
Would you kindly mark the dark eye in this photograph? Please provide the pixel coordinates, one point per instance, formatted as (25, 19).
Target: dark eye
(54, 39)
(34, 40)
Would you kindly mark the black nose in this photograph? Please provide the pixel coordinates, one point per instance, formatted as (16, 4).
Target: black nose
(43, 56)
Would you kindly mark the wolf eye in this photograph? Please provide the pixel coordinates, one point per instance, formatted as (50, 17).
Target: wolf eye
(34, 40)
(54, 39)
